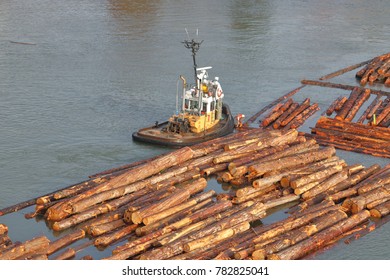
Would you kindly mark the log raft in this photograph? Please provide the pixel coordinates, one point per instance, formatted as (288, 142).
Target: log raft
(176, 217)
(160, 208)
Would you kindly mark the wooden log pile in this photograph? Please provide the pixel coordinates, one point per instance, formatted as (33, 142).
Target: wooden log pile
(373, 140)
(5, 241)
(163, 209)
(377, 71)
(353, 126)
(289, 114)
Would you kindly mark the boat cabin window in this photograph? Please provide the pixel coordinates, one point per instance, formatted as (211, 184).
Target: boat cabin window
(204, 108)
(190, 105)
(212, 106)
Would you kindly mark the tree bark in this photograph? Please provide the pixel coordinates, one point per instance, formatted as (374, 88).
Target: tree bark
(272, 104)
(300, 234)
(320, 239)
(37, 245)
(64, 241)
(174, 199)
(291, 161)
(290, 225)
(316, 176)
(381, 210)
(303, 106)
(110, 238)
(278, 122)
(371, 109)
(340, 86)
(62, 210)
(325, 185)
(216, 237)
(363, 97)
(360, 202)
(172, 210)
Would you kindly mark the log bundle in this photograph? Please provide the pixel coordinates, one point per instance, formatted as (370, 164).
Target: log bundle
(377, 71)
(289, 114)
(361, 138)
(168, 210)
(5, 241)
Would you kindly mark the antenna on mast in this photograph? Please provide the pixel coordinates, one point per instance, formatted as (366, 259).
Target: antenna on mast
(194, 47)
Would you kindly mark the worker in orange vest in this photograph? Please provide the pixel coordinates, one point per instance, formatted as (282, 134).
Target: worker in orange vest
(239, 119)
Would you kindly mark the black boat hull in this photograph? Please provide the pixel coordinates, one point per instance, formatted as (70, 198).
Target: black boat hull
(155, 134)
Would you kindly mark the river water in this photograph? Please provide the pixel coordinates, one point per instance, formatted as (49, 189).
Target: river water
(78, 77)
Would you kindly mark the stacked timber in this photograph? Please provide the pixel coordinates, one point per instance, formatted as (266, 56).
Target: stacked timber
(5, 241)
(289, 114)
(373, 140)
(368, 133)
(33, 249)
(377, 71)
(162, 208)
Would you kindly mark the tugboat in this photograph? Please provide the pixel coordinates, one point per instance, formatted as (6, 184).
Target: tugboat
(202, 115)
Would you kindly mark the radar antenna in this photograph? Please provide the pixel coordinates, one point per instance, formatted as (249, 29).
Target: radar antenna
(194, 47)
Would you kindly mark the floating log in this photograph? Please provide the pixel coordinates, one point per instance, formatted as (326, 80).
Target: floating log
(199, 207)
(272, 203)
(175, 199)
(3, 229)
(341, 103)
(216, 237)
(363, 97)
(289, 225)
(68, 254)
(341, 86)
(381, 210)
(354, 179)
(370, 73)
(252, 194)
(110, 238)
(320, 239)
(95, 211)
(299, 234)
(345, 70)
(383, 113)
(259, 155)
(371, 109)
(64, 241)
(325, 185)
(62, 210)
(37, 245)
(100, 229)
(346, 135)
(83, 204)
(381, 178)
(360, 202)
(273, 116)
(341, 115)
(332, 106)
(160, 200)
(366, 185)
(291, 161)
(278, 122)
(352, 146)
(176, 247)
(30, 202)
(293, 174)
(138, 245)
(272, 104)
(377, 202)
(303, 106)
(169, 211)
(315, 176)
(303, 116)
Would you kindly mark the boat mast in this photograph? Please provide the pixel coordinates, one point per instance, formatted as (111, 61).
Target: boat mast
(194, 47)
